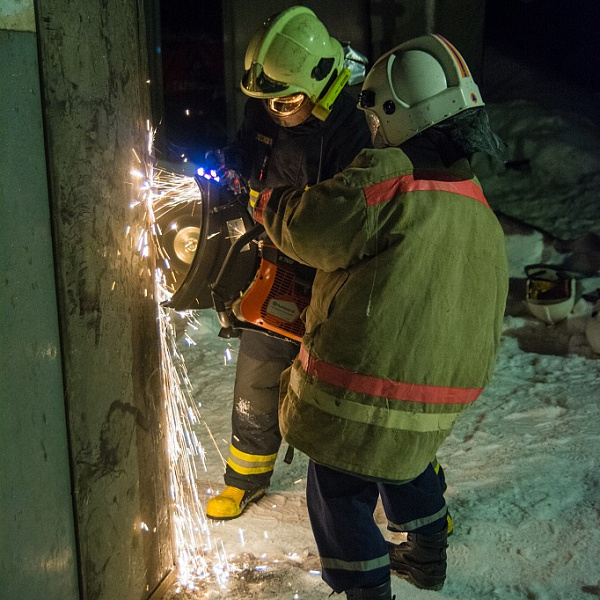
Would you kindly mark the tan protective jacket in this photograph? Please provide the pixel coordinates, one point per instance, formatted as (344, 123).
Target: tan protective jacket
(404, 323)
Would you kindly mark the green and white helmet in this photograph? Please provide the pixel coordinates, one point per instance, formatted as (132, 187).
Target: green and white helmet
(292, 54)
(414, 86)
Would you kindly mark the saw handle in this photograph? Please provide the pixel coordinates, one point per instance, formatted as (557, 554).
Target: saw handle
(219, 289)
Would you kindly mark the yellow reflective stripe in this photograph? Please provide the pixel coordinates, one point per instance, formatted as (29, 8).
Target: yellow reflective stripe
(253, 197)
(356, 565)
(249, 470)
(369, 414)
(257, 458)
(250, 464)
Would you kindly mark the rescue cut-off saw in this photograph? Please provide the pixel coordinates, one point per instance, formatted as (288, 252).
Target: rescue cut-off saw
(220, 259)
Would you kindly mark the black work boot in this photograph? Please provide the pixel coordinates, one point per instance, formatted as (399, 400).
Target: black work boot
(421, 560)
(379, 592)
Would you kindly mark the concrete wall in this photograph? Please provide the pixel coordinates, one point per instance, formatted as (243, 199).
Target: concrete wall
(84, 503)
(38, 556)
(96, 103)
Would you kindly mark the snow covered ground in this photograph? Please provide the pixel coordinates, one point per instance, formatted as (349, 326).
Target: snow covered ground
(522, 462)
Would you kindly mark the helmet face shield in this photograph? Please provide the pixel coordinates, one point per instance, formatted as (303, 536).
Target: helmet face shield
(286, 105)
(375, 129)
(550, 292)
(255, 80)
(290, 110)
(545, 291)
(547, 283)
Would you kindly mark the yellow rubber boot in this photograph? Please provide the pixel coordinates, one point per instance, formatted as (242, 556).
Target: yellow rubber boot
(231, 503)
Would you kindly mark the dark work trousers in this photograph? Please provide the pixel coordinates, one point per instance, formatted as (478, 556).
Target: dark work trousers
(352, 549)
(255, 438)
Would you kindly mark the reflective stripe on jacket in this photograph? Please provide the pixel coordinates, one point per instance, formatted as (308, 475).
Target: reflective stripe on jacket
(406, 311)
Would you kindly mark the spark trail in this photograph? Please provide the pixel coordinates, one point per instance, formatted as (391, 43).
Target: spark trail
(199, 557)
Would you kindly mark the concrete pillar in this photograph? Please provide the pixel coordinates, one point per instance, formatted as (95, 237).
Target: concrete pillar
(38, 554)
(96, 103)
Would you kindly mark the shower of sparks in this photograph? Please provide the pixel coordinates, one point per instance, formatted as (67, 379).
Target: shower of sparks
(198, 556)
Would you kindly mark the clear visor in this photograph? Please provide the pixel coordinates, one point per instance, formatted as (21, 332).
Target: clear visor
(375, 129)
(548, 285)
(372, 122)
(256, 81)
(286, 105)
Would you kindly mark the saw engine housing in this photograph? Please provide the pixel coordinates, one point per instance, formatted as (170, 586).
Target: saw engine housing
(235, 269)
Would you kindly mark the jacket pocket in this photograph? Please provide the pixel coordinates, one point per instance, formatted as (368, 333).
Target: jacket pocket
(324, 290)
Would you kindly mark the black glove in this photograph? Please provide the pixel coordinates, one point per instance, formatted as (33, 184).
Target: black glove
(226, 176)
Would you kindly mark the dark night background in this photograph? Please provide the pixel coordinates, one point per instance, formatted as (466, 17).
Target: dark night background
(194, 117)
(559, 39)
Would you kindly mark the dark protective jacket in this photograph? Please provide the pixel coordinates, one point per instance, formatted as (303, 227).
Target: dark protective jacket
(269, 155)
(405, 319)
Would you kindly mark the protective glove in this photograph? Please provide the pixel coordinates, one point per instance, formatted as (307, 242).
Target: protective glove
(234, 182)
(214, 160)
(216, 167)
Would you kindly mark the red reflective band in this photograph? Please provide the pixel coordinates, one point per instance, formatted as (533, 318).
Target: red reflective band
(388, 189)
(385, 388)
(462, 65)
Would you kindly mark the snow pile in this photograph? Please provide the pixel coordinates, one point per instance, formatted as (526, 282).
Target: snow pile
(548, 203)
(553, 168)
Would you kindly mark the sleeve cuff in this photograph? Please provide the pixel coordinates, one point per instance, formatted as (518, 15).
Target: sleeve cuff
(260, 205)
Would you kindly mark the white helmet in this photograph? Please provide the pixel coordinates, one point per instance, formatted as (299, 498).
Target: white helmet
(414, 86)
(550, 293)
(293, 61)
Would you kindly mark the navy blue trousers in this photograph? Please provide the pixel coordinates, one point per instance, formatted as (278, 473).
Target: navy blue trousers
(353, 551)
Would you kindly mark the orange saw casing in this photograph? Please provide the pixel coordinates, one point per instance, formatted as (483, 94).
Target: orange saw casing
(276, 299)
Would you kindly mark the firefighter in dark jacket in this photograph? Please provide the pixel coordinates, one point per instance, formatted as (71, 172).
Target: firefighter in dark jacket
(404, 322)
(300, 127)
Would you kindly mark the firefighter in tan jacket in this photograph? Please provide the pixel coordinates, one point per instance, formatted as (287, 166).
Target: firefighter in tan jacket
(404, 323)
